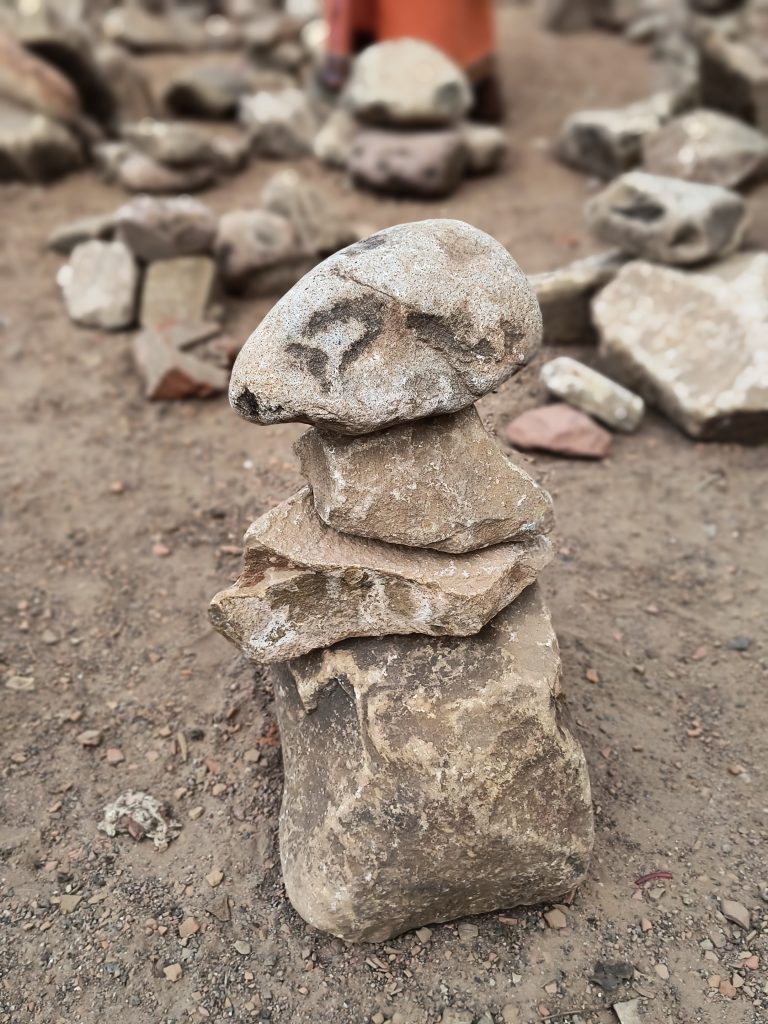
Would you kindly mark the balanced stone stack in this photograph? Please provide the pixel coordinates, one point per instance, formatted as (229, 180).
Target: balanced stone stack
(430, 771)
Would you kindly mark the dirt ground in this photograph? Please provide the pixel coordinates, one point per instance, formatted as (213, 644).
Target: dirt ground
(659, 584)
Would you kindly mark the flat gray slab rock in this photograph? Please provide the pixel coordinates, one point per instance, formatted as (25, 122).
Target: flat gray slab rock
(407, 82)
(156, 228)
(440, 483)
(668, 220)
(178, 291)
(593, 393)
(707, 146)
(305, 586)
(607, 142)
(416, 320)
(409, 163)
(565, 296)
(694, 344)
(100, 284)
(427, 779)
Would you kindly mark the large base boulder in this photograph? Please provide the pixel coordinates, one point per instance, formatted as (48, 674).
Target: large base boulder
(427, 779)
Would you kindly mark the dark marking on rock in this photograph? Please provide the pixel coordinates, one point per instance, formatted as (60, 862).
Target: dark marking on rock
(368, 311)
(249, 406)
(365, 244)
(313, 360)
(644, 210)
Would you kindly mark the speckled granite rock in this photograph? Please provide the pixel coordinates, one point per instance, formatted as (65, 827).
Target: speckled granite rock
(440, 483)
(426, 779)
(694, 344)
(593, 393)
(416, 320)
(668, 220)
(305, 586)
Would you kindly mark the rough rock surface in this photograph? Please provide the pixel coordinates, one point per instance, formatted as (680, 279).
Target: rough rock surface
(99, 284)
(733, 78)
(593, 393)
(693, 344)
(607, 142)
(333, 142)
(407, 82)
(155, 228)
(128, 82)
(281, 125)
(34, 147)
(427, 779)
(207, 91)
(32, 83)
(172, 143)
(305, 586)
(486, 146)
(416, 320)
(439, 483)
(178, 290)
(565, 296)
(248, 242)
(170, 374)
(409, 163)
(707, 146)
(319, 226)
(559, 429)
(138, 172)
(666, 219)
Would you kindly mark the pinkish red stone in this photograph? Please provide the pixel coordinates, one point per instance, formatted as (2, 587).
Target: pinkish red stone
(560, 429)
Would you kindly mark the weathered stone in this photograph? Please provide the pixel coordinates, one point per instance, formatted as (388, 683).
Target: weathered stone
(565, 296)
(427, 779)
(319, 225)
(486, 146)
(207, 91)
(137, 172)
(607, 142)
(248, 242)
(693, 344)
(29, 82)
(408, 163)
(709, 147)
(175, 290)
(407, 82)
(231, 153)
(440, 483)
(666, 219)
(171, 142)
(280, 125)
(593, 393)
(333, 143)
(305, 586)
(128, 82)
(170, 374)
(156, 228)
(99, 227)
(416, 320)
(264, 33)
(34, 147)
(559, 429)
(99, 284)
(144, 31)
(733, 77)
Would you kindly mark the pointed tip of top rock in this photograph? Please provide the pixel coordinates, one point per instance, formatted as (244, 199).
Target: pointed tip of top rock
(416, 320)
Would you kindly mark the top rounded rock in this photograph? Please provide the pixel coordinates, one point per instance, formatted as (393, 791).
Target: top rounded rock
(416, 320)
(407, 82)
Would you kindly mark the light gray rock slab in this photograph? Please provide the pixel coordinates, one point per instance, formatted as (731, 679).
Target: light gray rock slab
(593, 393)
(428, 779)
(179, 290)
(100, 284)
(416, 320)
(565, 296)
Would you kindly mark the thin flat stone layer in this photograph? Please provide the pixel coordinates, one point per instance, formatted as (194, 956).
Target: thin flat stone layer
(306, 586)
(417, 320)
(440, 483)
(593, 393)
(427, 779)
(694, 344)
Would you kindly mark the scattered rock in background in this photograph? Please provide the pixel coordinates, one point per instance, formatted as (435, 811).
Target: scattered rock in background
(100, 285)
(666, 219)
(280, 125)
(486, 146)
(733, 76)
(418, 163)
(334, 140)
(170, 374)
(559, 429)
(593, 393)
(320, 227)
(31, 83)
(208, 91)
(138, 815)
(137, 172)
(99, 227)
(178, 290)
(565, 296)
(249, 243)
(692, 343)
(34, 147)
(157, 228)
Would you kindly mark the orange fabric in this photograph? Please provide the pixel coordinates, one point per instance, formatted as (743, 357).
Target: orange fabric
(461, 28)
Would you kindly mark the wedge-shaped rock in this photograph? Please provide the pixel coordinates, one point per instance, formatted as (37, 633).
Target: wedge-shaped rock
(694, 344)
(439, 483)
(666, 219)
(565, 296)
(707, 146)
(418, 319)
(305, 586)
(593, 393)
(429, 779)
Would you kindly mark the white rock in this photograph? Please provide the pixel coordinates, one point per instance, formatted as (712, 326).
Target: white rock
(593, 393)
(281, 125)
(333, 142)
(100, 284)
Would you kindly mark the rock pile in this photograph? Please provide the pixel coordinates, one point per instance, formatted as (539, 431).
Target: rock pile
(430, 770)
(401, 128)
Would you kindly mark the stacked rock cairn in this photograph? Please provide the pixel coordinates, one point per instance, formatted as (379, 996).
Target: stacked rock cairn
(430, 771)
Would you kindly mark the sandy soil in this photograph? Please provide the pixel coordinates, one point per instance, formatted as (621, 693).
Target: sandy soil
(661, 566)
